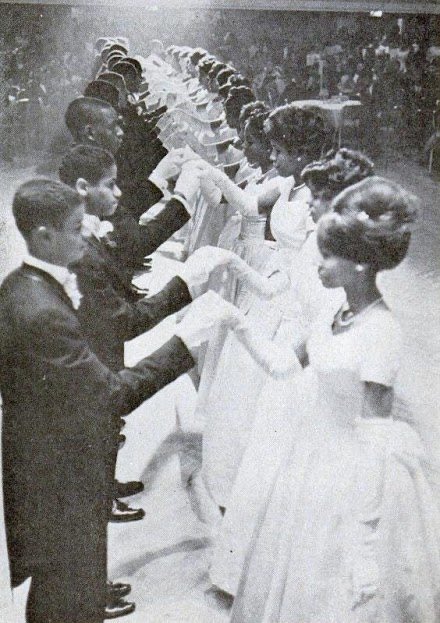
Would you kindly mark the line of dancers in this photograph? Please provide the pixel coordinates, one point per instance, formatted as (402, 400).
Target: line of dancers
(316, 491)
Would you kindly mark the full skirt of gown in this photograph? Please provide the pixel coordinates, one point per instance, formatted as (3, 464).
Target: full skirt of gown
(349, 532)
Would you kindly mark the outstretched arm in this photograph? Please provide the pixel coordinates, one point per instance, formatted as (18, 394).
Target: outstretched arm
(277, 362)
(261, 286)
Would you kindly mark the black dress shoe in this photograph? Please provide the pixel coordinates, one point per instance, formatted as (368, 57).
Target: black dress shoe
(125, 489)
(117, 590)
(122, 512)
(119, 608)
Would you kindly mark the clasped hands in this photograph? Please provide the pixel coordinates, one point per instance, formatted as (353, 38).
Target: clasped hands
(192, 173)
(199, 266)
(201, 317)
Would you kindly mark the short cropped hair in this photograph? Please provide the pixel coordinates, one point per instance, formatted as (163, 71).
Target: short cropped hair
(297, 129)
(41, 202)
(370, 223)
(84, 111)
(87, 162)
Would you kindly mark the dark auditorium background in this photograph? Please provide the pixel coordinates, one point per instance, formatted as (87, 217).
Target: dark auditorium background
(47, 58)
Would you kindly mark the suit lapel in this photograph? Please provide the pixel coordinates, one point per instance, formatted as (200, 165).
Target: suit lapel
(113, 267)
(35, 273)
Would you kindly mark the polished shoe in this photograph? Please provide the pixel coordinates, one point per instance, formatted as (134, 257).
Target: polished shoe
(122, 512)
(119, 608)
(125, 489)
(117, 590)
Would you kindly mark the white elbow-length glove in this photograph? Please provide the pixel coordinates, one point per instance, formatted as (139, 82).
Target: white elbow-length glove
(244, 202)
(258, 284)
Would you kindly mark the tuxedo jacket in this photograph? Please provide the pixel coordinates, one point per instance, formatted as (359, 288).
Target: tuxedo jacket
(59, 405)
(133, 242)
(111, 312)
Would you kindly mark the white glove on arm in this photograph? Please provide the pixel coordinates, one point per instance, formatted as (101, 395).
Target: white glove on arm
(259, 285)
(202, 315)
(189, 181)
(244, 202)
(171, 165)
(199, 266)
(278, 362)
(210, 192)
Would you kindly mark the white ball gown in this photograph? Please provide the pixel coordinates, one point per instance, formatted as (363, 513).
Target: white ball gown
(231, 380)
(349, 532)
(271, 430)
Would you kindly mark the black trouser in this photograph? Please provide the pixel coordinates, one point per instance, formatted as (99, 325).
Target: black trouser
(71, 587)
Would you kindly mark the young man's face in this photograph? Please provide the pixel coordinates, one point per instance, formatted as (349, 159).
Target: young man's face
(107, 131)
(66, 244)
(103, 197)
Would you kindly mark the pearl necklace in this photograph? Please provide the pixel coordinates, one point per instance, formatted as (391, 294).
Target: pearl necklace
(345, 317)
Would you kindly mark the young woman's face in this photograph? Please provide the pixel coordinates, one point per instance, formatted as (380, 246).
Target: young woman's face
(319, 203)
(335, 271)
(287, 162)
(255, 150)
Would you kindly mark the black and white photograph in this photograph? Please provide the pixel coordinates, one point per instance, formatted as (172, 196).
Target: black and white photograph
(220, 311)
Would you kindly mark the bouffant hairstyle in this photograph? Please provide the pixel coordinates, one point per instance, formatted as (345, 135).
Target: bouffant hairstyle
(297, 129)
(41, 202)
(251, 108)
(205, 65)
(224, 75)
(197, 55)
(237, 98)
(255, 127)
(370, 223)
(216, 68)
(238, 80)
(337, 170)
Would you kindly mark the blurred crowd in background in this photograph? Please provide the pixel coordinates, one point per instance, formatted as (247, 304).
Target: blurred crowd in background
(392, 65)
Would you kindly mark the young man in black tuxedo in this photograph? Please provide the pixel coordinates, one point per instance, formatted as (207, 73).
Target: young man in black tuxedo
(60, 403)
(93, 121)
(112, 312)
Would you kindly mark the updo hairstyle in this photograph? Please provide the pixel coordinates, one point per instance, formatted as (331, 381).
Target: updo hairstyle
(370, 223)
(337, 170)
(238, 80)
(251, 108)
(206, 64)
(255, 126)
(224, 75)
(216, 68)
(237, 98)
(297, 129)
(197, 55)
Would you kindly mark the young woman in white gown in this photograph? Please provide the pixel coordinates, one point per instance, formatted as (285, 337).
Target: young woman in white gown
(297, 137)
(349, 532)
(271, 431)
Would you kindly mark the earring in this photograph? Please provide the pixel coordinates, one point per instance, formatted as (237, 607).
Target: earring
(359, 268)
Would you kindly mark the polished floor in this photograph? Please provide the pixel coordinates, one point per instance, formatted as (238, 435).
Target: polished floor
(166, 555)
